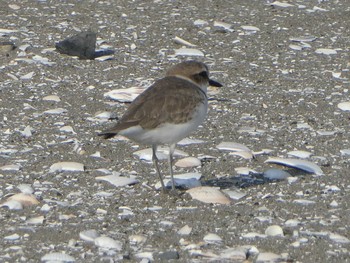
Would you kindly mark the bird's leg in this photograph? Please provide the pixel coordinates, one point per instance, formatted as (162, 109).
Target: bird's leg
(155, 163)
(171, 152)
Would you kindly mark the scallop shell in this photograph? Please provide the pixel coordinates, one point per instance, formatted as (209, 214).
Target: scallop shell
(209, 195)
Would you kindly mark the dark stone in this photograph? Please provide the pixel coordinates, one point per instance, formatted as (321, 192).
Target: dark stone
(82, 45)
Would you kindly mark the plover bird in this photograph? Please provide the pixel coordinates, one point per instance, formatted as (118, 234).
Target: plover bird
(167, 111)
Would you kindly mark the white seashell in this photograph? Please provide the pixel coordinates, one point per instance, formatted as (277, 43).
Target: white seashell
(25, 188)
(45, 208)
(185, 230)
(12, 237)
(12, 205)
(345, 106)
(303, 39)
(145, 255)
(224, 26)
(253, 235)
(234, 194)
(250, 28)
(276, 174)
(237, 254)
(14, 7)
(162, 153)
(42, 60)
(188, 141)
(89, 235)
(326, 133)
(244, 155)
(336, 75)
(10, 167)
(36, 220)
(200, 22)
(52, 98)
(181, 41)
(55, 111)
(296, 47)
(27, 76)
(124, 95)
(326, 51)
(103, 115)
(268, 257)
(105, 58)
(338, 238)
(334, 204)
(189, 52)
(281, 4)
(96, 154)
(4, 31)
(233, 146)
(67, 166)
(292, 223)
(300, 154)
(208, 195)
(188, 162)
(137, 240)
(297, 163)
(303, 202)
(117, 180)
(57, 257)
(212, 238)
(68, 129)
(108, 243)
(24, 199)
(27, 132)
(274, 231)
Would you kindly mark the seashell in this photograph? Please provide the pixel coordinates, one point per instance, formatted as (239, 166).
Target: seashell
(24, 199)
(189, 52)
(4, 31)
(27, 132)
(280, 4)
(68, 129)
(188, 162)
(103, 115)
(181, 41)
(237, 254)
(52, 98)
(57, 257)
(25, 188)
(300, 154)
(67, 166)
(303, 202)
(45, 208)
(36, 220)
(117, 180)
(326, 51)
(108, 243)
(187, 181)
(234, 194)
(27, 76)
(12, 237)
(274, 231)
(345, 106)
(345, 152)
(208, 195)
(162, 153)
(296, 47)
(237, 149)
(42, 60)
(250, 28)
(89, 235)
(292, 223)
(223, 26)
(303, 39)
(12, 205)
(253, 235)
(212, 238)
(14, 7)
(338, 238)
(188, 141)
(137, 240)
(10, 167)
(55, 111)
(200, 22)
(276, 174)
(265, 257)
(185, 230)
(244, 170)
(124, 95)
(297, 163)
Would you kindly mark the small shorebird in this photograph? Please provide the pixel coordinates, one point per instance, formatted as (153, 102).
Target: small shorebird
(167, 111)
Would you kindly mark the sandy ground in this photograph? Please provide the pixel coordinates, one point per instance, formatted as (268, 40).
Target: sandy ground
(285, 92)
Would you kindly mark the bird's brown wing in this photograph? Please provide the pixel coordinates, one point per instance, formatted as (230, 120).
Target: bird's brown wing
(161, 104)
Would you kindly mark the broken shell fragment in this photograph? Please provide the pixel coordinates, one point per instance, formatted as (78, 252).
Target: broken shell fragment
(297, 163)
(67, 166)
(209, 195)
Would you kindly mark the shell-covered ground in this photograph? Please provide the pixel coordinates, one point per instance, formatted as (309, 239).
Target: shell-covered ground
(284, 69)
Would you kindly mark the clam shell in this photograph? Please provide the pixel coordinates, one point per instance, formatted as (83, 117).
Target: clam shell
(117, 180)
(297, 163)
(67, 166)
(124, 95)
(57, 257)
(209, 195)
(108, 243)
(188, 162)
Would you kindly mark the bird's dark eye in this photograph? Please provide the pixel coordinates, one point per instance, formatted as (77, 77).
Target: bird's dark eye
(203, 74)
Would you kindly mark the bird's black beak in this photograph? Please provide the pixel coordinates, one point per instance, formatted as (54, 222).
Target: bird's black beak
(214, 83)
